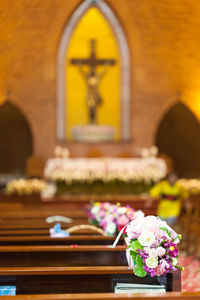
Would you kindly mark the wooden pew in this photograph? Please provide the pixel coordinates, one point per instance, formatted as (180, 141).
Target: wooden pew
(36, 268)
(20, 263)
(111, 296)
(23, 232)
(30, 211)
(37, 232)
(92, 279)
(45, 256)
(80, 239)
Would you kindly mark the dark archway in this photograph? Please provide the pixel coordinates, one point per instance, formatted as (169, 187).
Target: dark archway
(15, 139)
(178, 136)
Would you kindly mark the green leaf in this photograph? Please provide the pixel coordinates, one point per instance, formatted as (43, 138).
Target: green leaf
(139, 271)
(139, 261)
(166, 230)
(136, 245)
(133, 255)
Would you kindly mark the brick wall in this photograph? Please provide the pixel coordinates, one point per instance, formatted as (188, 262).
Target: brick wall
(163, 36)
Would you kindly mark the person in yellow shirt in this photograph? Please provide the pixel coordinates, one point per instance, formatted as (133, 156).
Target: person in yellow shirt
(170, 194)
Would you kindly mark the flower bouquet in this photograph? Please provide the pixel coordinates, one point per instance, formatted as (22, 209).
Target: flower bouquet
(112, 218)
(104, 176)
(25, 187)
(152, 247)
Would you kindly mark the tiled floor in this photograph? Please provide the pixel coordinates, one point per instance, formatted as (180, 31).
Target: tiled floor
(191, 275)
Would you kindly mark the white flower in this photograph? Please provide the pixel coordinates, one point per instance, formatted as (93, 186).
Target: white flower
(160, 251)
(95, 209)
(147, 238)
(146, 250)
(153, 252)
(174, 261)
(122, 210)
(176, 241)
(139, 214)
(110, 228)
(152, 262)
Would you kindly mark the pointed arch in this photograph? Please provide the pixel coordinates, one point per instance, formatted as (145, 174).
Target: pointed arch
(125, 66)
(178, 137)
(16, 139)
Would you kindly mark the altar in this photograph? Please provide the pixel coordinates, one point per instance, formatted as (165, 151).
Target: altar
(104, 176)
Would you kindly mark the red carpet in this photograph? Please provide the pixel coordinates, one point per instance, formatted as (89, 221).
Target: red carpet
(191, 275)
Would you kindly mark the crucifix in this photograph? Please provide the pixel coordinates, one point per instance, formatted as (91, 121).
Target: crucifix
(92, 78)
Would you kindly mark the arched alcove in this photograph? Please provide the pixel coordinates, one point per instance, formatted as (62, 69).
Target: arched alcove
(15, 139)
(178, 137)
(124, 77)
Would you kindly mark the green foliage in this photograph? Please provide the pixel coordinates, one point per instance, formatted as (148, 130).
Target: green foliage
(94, 222)
(139, 260)
(139, 271)
(135, 245)
(101, 188)
(133, 255)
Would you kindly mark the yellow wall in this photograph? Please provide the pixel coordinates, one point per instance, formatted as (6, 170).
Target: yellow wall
(191, 97)
(93, 25)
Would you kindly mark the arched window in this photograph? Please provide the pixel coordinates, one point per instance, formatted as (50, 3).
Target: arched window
(93, 30)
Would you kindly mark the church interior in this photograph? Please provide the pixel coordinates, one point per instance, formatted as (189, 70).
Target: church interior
(100, 149)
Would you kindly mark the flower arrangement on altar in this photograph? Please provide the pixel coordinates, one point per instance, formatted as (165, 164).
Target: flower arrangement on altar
(191, 185)
(152, 247)
(112, 218)
(26, 187)
(105, 175)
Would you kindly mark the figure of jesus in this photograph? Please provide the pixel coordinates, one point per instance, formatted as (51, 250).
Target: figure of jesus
(92, 78)
(93, 97)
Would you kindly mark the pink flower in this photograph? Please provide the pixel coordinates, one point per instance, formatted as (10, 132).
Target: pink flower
(101, 214)
(131, 213)
(112, 208)
(164, 264)
(106, 205)
(160, 251)
(159, 270)
(123, 220)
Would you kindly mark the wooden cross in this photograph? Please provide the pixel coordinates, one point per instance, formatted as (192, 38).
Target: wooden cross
(92, 78)
(92, 61)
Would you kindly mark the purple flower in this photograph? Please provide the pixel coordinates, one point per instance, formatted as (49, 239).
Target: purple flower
(150, 271)
(171, 249)
(166, 263)
(142, 253)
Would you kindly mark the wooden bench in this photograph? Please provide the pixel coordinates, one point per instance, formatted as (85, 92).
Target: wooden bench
(92, 279)
(30, 256)
(80, 239)
(74, 263)
(60, 269)
(10, 232)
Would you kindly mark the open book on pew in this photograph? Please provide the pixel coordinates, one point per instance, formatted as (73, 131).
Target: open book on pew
(139, 288)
